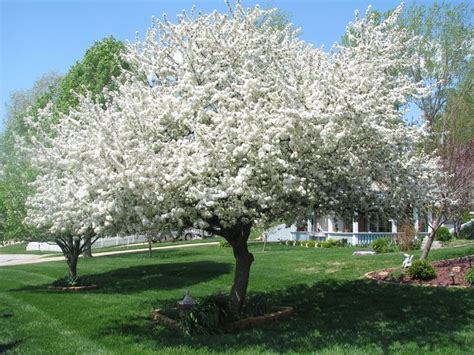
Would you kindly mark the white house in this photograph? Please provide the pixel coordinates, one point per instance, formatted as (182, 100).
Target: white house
(362, 230)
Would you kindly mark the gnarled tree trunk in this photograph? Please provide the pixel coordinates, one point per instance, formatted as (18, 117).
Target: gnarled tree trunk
(88, 248)
(72, 264)
(243, 262)
(71, 248)
(431, 237)
(237, 236)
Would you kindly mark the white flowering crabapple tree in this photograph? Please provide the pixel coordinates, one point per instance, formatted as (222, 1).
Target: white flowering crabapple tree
(232, 121)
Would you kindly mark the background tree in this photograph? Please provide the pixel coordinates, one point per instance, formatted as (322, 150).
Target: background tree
(444, 64)
(101, 64)
(456, 145)
(444, 55)
(15, 171)
(443, 52)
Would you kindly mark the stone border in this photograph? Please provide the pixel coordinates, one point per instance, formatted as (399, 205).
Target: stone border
(370, 277)
(416, 284)
(250, 322)
(239, 325)
(72, 288)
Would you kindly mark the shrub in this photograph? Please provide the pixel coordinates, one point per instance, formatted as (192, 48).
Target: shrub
(332, 243)
(256, 305)
(71, 281)
(384, 245)
(406, 239)
(443, 235)
(208, 315)
(469, 277)
(224, 244)
(396, 276)
(416, 244)
(467, 232)
(311, 244)
(380, 245)
(421, 270)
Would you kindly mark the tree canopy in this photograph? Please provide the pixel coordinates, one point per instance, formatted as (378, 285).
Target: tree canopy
(238, 121)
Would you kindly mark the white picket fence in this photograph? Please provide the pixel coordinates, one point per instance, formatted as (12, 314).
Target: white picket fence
(100, 243)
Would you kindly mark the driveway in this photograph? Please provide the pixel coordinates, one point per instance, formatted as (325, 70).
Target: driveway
(23, 259)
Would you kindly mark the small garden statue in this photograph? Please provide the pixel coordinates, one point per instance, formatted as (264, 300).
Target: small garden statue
(407, 262)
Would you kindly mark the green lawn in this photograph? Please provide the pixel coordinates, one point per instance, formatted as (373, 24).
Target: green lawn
(336, 310)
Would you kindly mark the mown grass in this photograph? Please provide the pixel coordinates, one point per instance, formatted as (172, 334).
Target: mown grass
(337, 311)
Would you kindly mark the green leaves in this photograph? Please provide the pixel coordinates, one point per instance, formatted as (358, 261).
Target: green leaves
(100, 65)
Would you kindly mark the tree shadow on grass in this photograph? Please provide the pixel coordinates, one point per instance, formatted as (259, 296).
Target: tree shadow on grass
(163, 276)
(9, 346)
(334, 315)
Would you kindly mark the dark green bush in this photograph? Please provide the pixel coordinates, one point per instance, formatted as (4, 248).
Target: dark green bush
(69, 281)
(396, 275)
(467, 232)
(380, 245)
(311, 244)
(469, 277)
(421, 270)
(208, 315)
(256, 305)
(443, 235)
(331, 243)
(416, 244)
(384, 245)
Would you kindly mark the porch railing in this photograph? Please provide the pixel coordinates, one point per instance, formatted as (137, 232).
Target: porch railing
(359, 238)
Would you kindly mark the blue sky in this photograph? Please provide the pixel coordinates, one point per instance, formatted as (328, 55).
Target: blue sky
(39, 36)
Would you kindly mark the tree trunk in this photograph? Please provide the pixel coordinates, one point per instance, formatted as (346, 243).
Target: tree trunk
(457, 227)
(71, 249)
(72, 264)
(431, 237)
(243, 262)
(265, 237)
(88, 248)
(149, 248)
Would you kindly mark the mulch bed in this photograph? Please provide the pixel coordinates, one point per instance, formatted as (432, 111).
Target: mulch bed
(443, 268)
(72, 288)
(239, 325)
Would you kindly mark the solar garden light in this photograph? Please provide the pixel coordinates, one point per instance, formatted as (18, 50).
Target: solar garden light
(454, 271)
(186, 303)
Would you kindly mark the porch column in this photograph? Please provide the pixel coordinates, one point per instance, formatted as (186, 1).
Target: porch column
(330, 223)
(415, 219)
(430, 221)
(355, 229)
(309, 227)
(394, 225)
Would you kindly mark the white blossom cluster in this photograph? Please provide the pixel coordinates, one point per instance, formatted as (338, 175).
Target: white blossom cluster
(225, 119)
